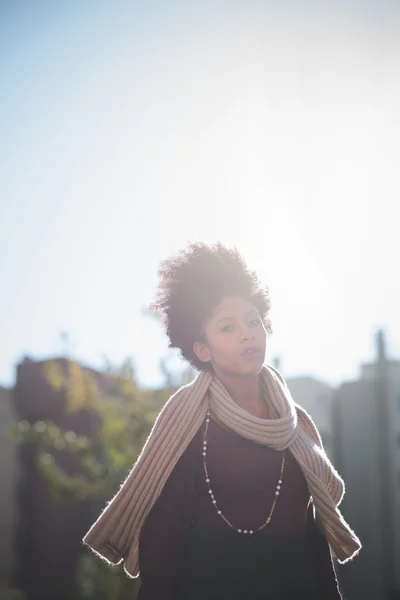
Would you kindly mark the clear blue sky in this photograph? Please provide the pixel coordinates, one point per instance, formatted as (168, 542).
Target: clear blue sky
(128, 128)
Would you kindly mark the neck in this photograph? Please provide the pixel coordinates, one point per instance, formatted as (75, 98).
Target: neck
(245, 391)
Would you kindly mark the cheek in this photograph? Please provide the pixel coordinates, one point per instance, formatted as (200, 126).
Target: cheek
(229, 351)
(263, 334)
(222, 348)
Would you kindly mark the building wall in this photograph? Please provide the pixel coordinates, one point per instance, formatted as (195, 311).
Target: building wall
(368, 457)
(394, 403)
(369, 370)
(8, 478)
(357, 462)
(365, 449)
(390, 370)
(316, 398)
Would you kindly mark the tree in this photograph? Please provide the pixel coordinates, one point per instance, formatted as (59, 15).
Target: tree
(122, 415)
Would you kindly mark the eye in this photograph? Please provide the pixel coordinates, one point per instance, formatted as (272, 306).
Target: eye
(227, 328)
(255, 321)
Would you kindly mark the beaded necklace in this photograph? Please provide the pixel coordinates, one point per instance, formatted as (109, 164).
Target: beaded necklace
(212, 496)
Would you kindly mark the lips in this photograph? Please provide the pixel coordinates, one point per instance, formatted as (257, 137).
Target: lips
(250, 351)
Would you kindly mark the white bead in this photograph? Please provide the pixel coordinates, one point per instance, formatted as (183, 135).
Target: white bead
(219, 512)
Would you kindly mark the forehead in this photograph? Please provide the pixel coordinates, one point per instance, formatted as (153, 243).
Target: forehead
(233, 306)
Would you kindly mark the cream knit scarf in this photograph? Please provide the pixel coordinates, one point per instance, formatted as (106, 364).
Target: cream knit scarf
(115, 534)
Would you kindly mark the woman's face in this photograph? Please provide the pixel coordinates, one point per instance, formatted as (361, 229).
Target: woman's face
(235, 338)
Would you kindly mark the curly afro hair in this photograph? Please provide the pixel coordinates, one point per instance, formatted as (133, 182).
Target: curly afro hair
(193, 283)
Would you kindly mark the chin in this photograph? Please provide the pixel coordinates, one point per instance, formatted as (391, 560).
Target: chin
(257, 370)
(240, 370)
(253, 369)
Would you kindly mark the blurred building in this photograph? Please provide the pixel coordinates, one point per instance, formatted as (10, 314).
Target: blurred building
(317, 398)
(367, 454)
(9, 475)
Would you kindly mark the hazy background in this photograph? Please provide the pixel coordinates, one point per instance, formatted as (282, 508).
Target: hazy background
(129, 128)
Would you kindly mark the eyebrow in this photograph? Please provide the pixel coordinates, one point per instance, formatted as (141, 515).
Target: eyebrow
(253, 311)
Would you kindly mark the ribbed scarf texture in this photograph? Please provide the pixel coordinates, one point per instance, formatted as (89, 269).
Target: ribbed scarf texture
(115, 534)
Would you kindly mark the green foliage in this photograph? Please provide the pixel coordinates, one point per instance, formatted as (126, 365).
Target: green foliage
(123, 416)
(99, 581)
(8, 593)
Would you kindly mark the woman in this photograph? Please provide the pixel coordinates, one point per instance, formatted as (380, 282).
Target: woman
(233, 495)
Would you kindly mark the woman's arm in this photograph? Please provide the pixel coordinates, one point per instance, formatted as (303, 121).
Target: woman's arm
(322, 559)
(163, 537)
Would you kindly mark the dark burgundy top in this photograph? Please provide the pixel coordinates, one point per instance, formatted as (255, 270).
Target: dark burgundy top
(244, 477)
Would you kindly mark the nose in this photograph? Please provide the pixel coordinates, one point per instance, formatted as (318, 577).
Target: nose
(246, 336)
